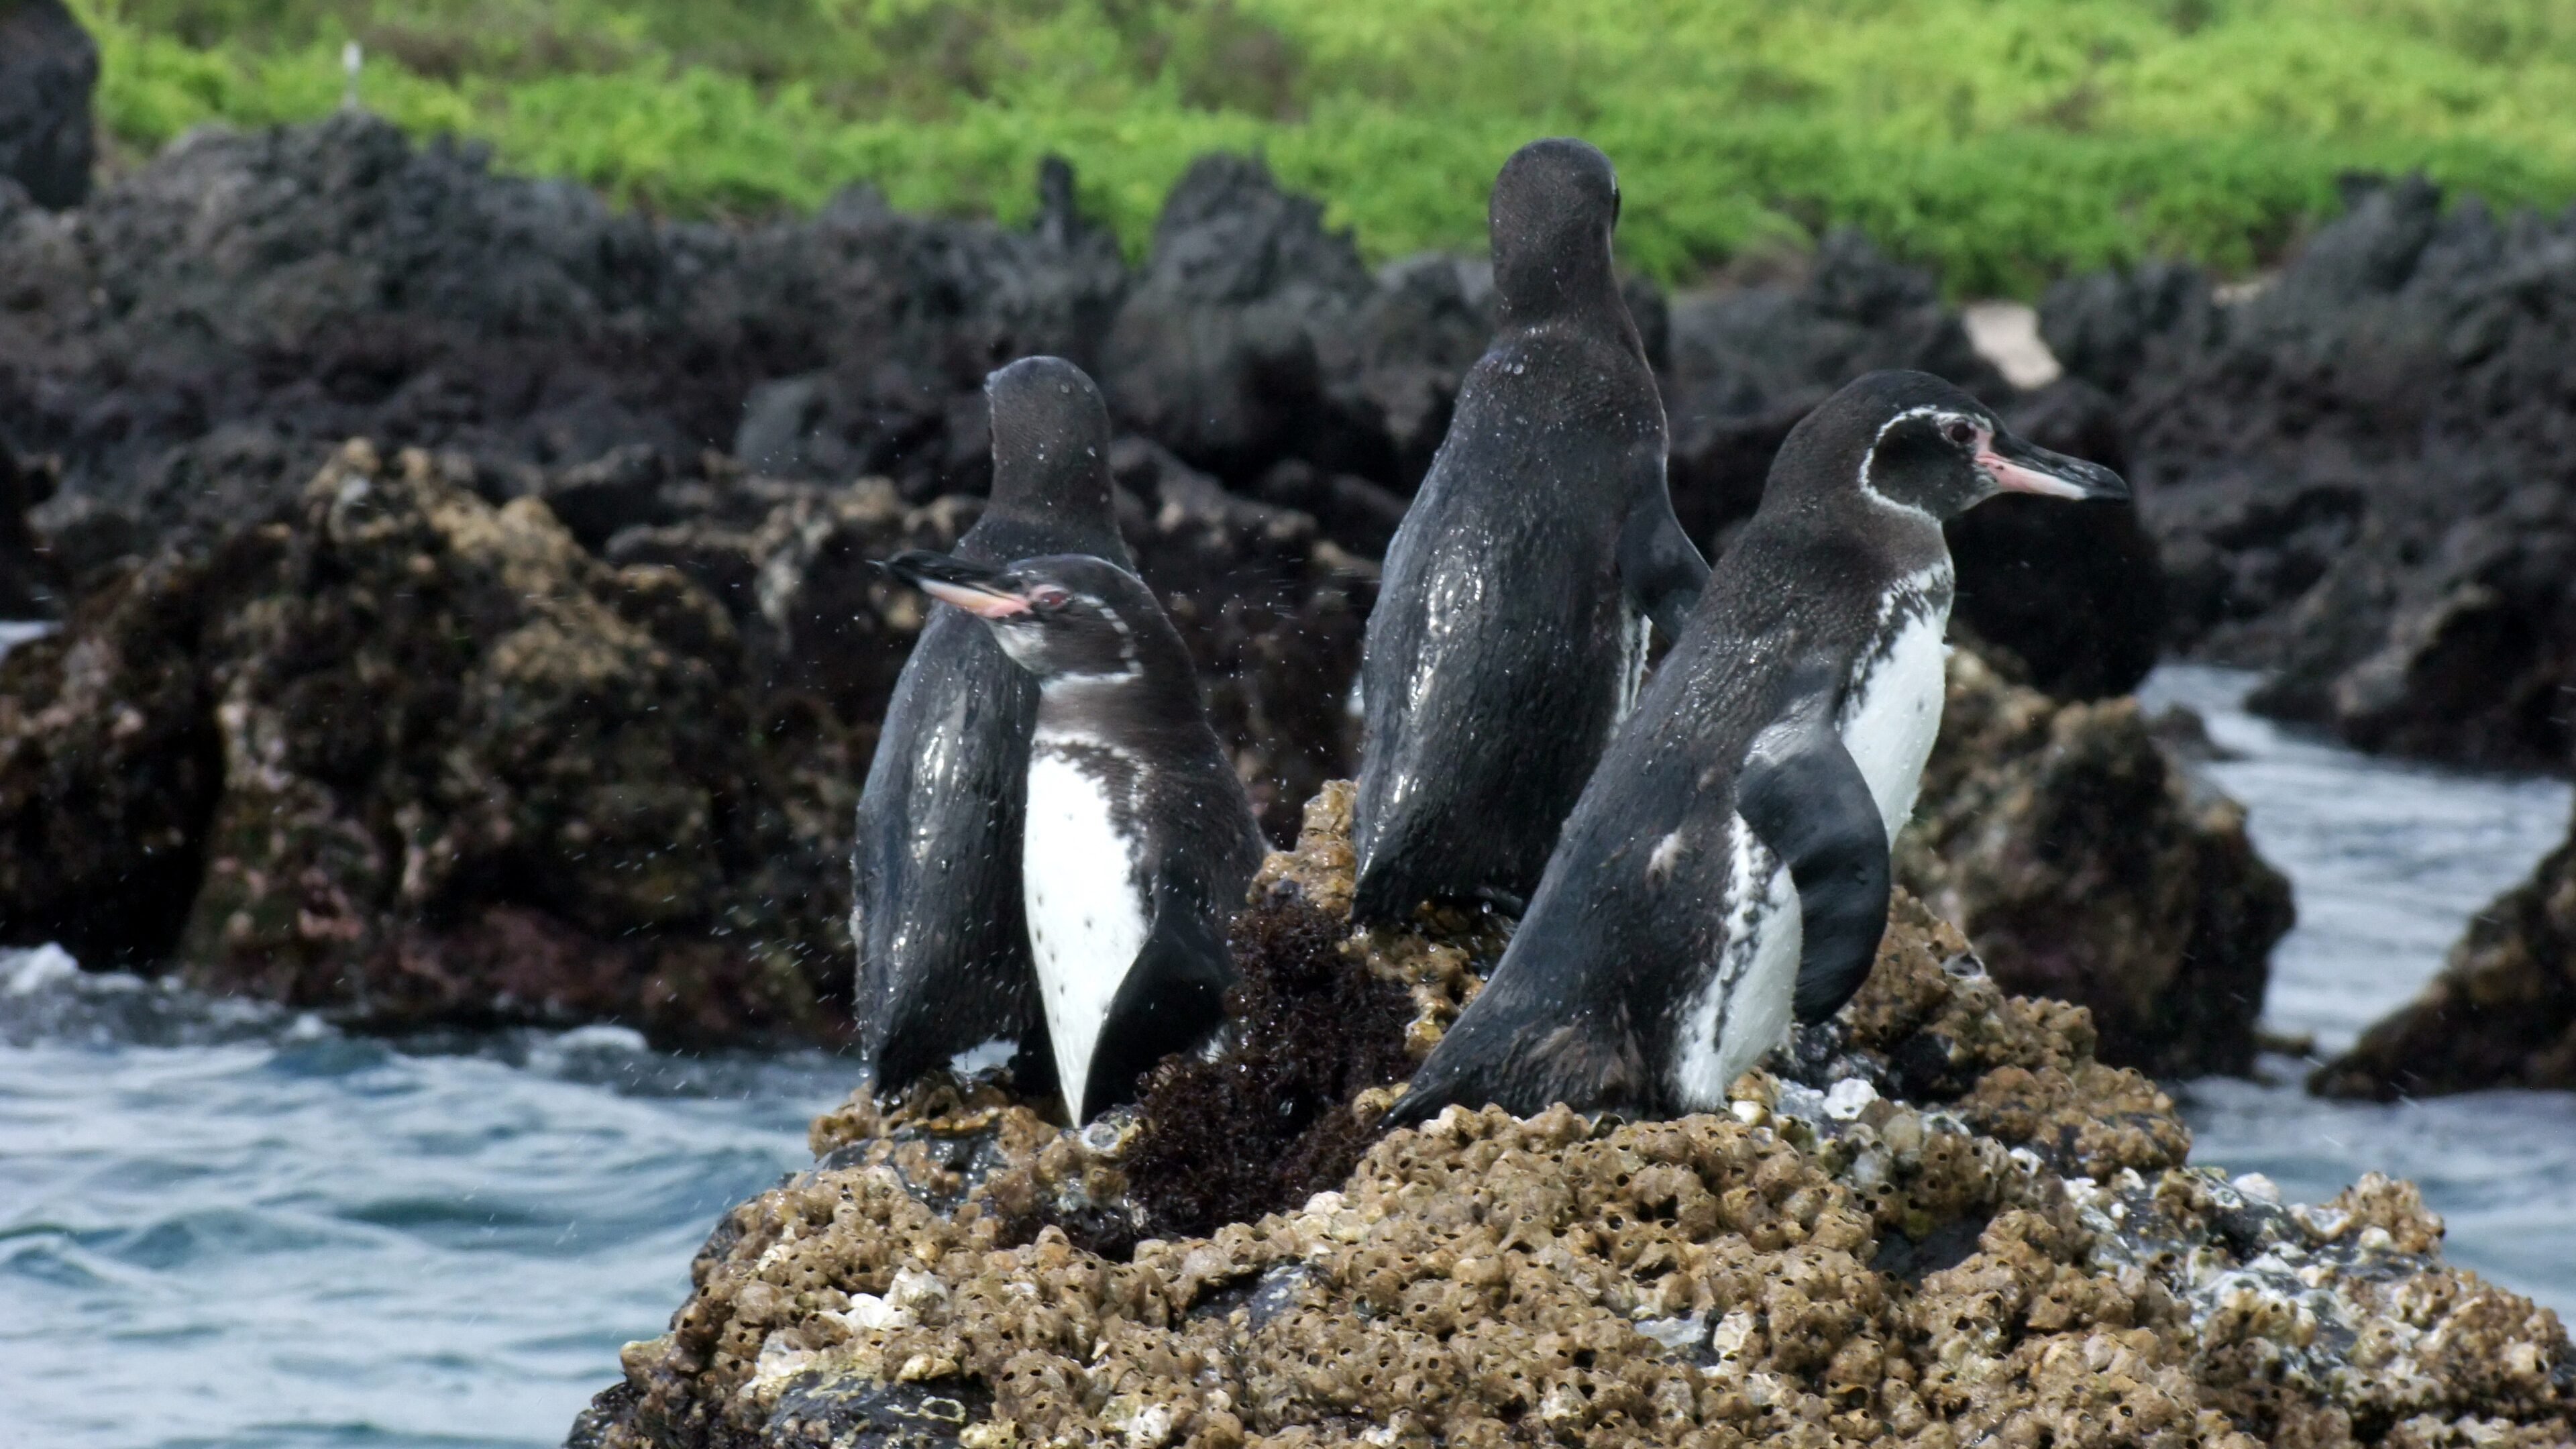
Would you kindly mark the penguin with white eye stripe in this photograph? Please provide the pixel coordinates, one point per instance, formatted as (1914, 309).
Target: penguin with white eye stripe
(1140, 839)
(1727, 866)
(943, 955)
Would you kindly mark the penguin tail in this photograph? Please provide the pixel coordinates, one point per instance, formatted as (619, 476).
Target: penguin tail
(1388, 897)
(1589, 1063)
(1382, 898)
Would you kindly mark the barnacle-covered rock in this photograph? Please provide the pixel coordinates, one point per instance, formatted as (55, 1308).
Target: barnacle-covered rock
(1936, 1221)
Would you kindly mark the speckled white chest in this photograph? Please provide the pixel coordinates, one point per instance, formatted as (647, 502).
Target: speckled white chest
(1086, 919)
(1889, 718)
(1892, 712)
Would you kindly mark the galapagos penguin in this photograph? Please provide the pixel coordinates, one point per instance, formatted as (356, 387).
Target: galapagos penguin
(943, 950)
(1728, 864)
(1141, 841)
(1510, 631)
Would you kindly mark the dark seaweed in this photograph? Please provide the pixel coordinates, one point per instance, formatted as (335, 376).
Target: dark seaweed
(1268, 1122)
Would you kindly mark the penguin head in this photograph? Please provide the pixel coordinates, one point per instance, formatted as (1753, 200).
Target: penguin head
(1553, 209)
(1061, 617)
(1050, 441)
(1910, 441)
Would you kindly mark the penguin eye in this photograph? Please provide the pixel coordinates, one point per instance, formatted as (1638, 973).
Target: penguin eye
(1048, 596)
(1959, 431)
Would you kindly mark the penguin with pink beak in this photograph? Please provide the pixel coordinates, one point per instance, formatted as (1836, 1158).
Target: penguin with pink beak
(1140, 840)
(1726, 870)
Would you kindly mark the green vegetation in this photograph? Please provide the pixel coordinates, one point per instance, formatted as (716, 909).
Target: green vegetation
(2002, 141)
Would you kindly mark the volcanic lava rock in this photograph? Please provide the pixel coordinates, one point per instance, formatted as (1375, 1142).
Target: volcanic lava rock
(795, 566)
(1273, 613)
(2090, 865)
(1218, 352)
(199, 337)
(872, 330)
(2502, 1013)
(48, 65)
(293, 287)
(1399, 363)
(2360, 473)
(406, 756)
(31, 585)
(110, 766)
(2468, 654)
(2018, 1257)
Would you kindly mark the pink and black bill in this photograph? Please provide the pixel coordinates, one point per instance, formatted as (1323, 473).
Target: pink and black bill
(2016, 466)
(979, 589)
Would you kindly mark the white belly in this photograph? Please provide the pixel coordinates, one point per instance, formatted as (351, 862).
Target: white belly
(1086, 920)
(1888, 724)
(1890, 718)
(1742, 1011)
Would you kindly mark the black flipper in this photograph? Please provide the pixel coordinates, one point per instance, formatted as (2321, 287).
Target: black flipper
(1659, 567)
(1807, 800)
(1173, 997)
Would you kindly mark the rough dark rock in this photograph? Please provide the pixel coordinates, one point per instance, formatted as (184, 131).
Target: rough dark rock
(794, 565)
(2360, 474)
(2502, 1013)
(908, 315)
(110, 766)
(285, 289)
(197, 339)
(31, 578)
(48, 66)
(1273, 612)
(1220, 350)
(405, 757)
(1408, 348)
(2089, 864)
(447, 765)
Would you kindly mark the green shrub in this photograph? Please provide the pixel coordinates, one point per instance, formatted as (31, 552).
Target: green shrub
(2001, 141)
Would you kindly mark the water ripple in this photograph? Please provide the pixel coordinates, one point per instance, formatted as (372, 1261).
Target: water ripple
(227, 1225)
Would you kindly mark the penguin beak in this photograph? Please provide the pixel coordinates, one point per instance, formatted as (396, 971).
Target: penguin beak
(2016, 466)
(972, 587)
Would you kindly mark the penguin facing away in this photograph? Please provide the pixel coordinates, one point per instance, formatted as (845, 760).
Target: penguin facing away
(936, 902)
(1140, 842)
(1510, 630)
(1728, 864)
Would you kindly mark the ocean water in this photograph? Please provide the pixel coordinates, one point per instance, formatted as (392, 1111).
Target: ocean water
(2389, 862)
(222, 1225)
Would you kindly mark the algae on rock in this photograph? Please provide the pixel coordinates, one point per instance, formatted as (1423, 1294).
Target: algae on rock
(406, 756)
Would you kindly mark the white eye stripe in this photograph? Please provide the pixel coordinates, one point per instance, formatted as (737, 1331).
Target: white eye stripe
(1869, 459)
